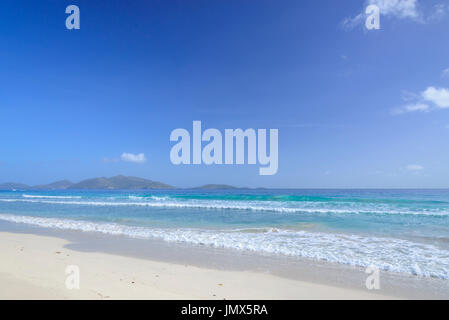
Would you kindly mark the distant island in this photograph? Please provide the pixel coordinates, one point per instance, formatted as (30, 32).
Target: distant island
(114, 183)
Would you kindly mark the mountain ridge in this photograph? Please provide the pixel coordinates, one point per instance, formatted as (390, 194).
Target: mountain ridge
(119, 182)
(100, 183)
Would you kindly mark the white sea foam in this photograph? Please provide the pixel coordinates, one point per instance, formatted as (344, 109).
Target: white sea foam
(159, 198)
(389, 254)
(140, 198)
(49, 197)
(267, 206)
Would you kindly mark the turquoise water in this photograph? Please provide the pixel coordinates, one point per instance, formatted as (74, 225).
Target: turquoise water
(405, 231)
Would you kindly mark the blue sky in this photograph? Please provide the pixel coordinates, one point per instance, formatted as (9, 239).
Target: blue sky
(354, 108)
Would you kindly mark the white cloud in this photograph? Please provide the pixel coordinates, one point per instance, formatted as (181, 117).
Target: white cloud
(422, 107)
(439, 96)
(430, 99)
(397, 8)
(415, 167)
(135, 158)
(400, 9)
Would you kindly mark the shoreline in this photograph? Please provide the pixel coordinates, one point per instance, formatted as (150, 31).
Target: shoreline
(34, 267)
(165, 271)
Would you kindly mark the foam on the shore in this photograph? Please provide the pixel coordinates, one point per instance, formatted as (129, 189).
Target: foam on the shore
(388, 254)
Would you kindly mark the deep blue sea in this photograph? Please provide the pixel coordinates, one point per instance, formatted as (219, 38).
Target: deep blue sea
(404, 231)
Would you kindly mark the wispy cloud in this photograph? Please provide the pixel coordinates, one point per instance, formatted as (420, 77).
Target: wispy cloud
(445, 73)
(350, 23)
(415, 167)
(412, 108)
(439, 11)
(110, 160)
(135, 158)
(409, 96)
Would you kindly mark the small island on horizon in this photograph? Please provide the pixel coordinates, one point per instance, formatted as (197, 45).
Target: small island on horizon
(119, 182)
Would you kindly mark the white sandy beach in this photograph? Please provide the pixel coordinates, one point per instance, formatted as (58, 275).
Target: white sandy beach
(33, 267)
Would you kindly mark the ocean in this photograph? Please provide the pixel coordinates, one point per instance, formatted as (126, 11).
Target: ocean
(398, 231)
